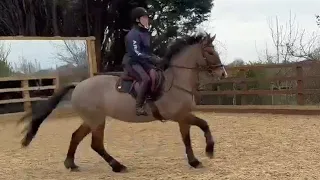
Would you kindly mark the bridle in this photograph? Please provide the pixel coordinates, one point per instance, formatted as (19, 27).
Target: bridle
(208, 67)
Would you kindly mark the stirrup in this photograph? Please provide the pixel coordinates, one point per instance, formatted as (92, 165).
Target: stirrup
(148, 98)
(140, 111)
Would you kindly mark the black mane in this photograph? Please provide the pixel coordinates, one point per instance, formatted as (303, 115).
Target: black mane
(179, 44)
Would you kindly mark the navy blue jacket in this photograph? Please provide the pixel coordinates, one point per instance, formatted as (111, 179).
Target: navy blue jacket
(138, 46)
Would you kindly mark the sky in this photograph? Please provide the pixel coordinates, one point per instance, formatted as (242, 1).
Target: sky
(241, 27)
(44, 51)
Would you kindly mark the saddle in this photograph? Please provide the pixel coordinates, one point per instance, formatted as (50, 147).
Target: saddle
(127, 84)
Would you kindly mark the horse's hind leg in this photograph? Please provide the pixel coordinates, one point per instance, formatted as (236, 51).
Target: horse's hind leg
(97, 146)
(76, 138)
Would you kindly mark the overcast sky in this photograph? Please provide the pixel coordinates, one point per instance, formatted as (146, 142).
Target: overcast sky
(42, 50)
(241, 27)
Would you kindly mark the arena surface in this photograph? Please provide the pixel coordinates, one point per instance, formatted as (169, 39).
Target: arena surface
(249, 146)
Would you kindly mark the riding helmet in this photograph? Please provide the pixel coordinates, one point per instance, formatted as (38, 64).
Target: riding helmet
(138, 12)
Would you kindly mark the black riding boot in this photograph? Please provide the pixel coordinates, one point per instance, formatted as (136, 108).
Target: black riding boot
(140, 109)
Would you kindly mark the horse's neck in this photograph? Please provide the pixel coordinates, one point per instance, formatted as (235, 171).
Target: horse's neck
(183, 77)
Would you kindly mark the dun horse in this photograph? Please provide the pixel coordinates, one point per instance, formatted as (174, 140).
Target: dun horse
(102, 96)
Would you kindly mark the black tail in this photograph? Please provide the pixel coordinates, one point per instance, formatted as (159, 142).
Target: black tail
(40, 113)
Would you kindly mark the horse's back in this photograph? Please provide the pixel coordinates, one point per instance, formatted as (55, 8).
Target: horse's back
(97, 97)
(97, 82)
(92, 90)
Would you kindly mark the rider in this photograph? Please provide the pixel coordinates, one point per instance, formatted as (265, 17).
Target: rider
(140, 57)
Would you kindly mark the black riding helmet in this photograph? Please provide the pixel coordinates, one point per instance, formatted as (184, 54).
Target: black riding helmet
(138, 12)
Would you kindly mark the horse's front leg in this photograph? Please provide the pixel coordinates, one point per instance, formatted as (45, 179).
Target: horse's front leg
(185, 133)
(203, 125)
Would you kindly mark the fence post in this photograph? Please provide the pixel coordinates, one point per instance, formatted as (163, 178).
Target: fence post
(300, 85)
(91, 51)
(219, 97)
(243, 86)
(26, 94)
(56, 83)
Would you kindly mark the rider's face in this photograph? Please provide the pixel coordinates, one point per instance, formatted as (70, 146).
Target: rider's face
(144, 20)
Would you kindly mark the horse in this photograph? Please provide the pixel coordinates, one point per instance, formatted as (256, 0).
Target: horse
(98, 97)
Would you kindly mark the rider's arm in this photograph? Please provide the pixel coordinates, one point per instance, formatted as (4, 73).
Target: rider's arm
(155, 59)
(134, 49)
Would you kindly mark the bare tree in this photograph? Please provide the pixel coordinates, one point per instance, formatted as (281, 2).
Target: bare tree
(26, 66)
(72, 52)
(265, 57)
(5, 66)
(54, 18)
(19, 17)
(4, 52)
(290, 41)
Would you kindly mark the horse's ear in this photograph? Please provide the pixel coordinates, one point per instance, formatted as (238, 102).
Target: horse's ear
(210, 39)
(213, 38)
(205, 39)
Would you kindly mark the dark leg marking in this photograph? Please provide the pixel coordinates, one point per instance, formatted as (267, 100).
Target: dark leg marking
(98, 147)
(185, 133)
(76, 138)
(203, 125)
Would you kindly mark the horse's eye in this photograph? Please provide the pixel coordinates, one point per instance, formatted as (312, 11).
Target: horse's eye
(209, 52)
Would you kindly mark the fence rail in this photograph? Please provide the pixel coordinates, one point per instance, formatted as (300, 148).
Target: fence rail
(18, 93)
(297, 74)
(30, 88)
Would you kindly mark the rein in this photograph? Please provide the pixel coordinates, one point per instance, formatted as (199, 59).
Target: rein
(200, 68)
(207, 68)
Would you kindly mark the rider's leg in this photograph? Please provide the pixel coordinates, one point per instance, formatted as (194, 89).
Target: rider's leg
(131, 72)
(153, 76)
(144, 83)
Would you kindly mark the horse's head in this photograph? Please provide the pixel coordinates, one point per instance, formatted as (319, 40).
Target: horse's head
(209, 60)
(197, 53)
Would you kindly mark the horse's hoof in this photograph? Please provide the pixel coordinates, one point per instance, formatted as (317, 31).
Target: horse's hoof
(69, 164)
(196, 164)
(26, 141)
(75, 169)
(119, 168)
(210, 151)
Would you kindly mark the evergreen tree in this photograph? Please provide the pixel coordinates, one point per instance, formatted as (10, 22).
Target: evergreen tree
(107, 20)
